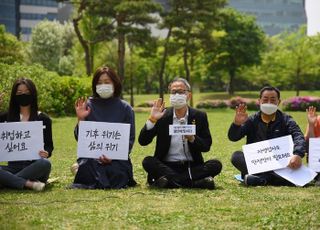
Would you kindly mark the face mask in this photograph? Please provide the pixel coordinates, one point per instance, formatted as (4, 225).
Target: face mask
(268, 108)
(178, 100)
(23, 99)
(104, 90)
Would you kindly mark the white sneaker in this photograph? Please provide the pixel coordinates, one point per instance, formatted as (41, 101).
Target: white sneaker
(38, 186)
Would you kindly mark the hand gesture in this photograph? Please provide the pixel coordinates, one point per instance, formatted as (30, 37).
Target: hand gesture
(104, 160)
(241, 114)
(157, 110)
(82, 110)
(311, 115)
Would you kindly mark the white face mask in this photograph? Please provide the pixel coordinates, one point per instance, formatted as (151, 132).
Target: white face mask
(268, 108)
(104, 90)
(178, 101)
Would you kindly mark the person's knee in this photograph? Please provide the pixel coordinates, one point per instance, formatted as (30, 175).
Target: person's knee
(147, 161)
(44, 164)
(236, 157)
(214, 167)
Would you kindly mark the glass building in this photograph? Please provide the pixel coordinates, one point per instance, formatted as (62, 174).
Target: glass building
(274, 16)
(9, 15)
(20, 16)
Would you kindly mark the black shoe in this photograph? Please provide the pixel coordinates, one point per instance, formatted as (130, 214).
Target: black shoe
(206, 183)
(161, 182)
(252, 180)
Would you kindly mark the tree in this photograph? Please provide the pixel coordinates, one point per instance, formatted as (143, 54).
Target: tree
(11, 50)
(114, 19)
(240, 47)
(298, 56)
(291, 62)
(189, 23)
(51, 44)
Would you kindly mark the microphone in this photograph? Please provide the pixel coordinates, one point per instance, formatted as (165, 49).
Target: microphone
(182, 121)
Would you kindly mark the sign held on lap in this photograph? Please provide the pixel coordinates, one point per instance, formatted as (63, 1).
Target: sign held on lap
(182, 130)
(102, 138)
(21, 140)
(268, 155)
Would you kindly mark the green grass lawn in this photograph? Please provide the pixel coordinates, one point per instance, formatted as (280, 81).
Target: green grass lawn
(230, 206)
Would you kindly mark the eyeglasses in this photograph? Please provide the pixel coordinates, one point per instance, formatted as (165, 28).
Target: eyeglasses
(178, 91)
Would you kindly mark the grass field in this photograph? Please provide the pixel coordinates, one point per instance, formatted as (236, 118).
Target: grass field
(230, 206)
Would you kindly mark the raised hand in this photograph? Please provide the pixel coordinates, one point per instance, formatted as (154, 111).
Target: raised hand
(241, 114)
(311, 115)
(82, 110)
(157, 109)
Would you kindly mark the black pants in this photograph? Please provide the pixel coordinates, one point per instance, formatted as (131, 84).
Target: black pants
(272, 178)
(178, 172)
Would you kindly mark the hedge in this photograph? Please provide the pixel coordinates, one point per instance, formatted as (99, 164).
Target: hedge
(300, 103)
(56, 94)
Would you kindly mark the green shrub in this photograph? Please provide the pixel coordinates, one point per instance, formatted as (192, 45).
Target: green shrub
(146, 104)
(212, 104)
(252, 104)
(56, 94)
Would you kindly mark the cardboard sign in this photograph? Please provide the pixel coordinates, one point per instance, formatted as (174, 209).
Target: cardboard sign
(268, 155)
(21, 140)
(182, 130)
(102, 138)
(314, 154)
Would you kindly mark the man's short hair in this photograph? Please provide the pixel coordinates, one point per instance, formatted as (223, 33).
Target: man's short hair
(184, 81)
(270, 88)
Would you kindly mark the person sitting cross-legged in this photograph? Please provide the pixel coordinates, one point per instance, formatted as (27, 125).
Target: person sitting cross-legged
(178, 161)
(266, 124)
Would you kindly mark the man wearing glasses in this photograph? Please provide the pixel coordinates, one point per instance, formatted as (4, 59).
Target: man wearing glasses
(178, 161)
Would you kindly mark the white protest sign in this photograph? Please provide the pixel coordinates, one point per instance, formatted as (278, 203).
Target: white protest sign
(102, 138)
(268, 155)
(182, 130)
(299, 177)
(21, 140)
(314, 154)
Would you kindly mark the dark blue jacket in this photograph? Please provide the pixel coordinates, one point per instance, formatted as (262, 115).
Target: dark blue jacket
(283, 125)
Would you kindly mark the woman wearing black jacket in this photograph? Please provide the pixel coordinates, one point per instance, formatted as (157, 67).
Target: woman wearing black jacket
(24, 107)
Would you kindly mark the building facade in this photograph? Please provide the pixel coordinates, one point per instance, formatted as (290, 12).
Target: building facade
(20, 16)
(274, 16)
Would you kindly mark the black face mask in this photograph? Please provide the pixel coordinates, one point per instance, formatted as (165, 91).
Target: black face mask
(23, 99)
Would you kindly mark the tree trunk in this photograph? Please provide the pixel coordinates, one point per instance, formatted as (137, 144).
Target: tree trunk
(84, 45)
(232, 74)
(163, 63)
(83, 42)
(131, 77)
(298, 75)
(186, 68)
(121, 55)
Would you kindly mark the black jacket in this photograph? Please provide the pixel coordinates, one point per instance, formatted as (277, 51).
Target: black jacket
(283, 125)
(202, 142)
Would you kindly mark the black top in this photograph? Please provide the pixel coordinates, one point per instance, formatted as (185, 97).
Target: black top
(256, 130)
(202, 142)
(47, 131)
